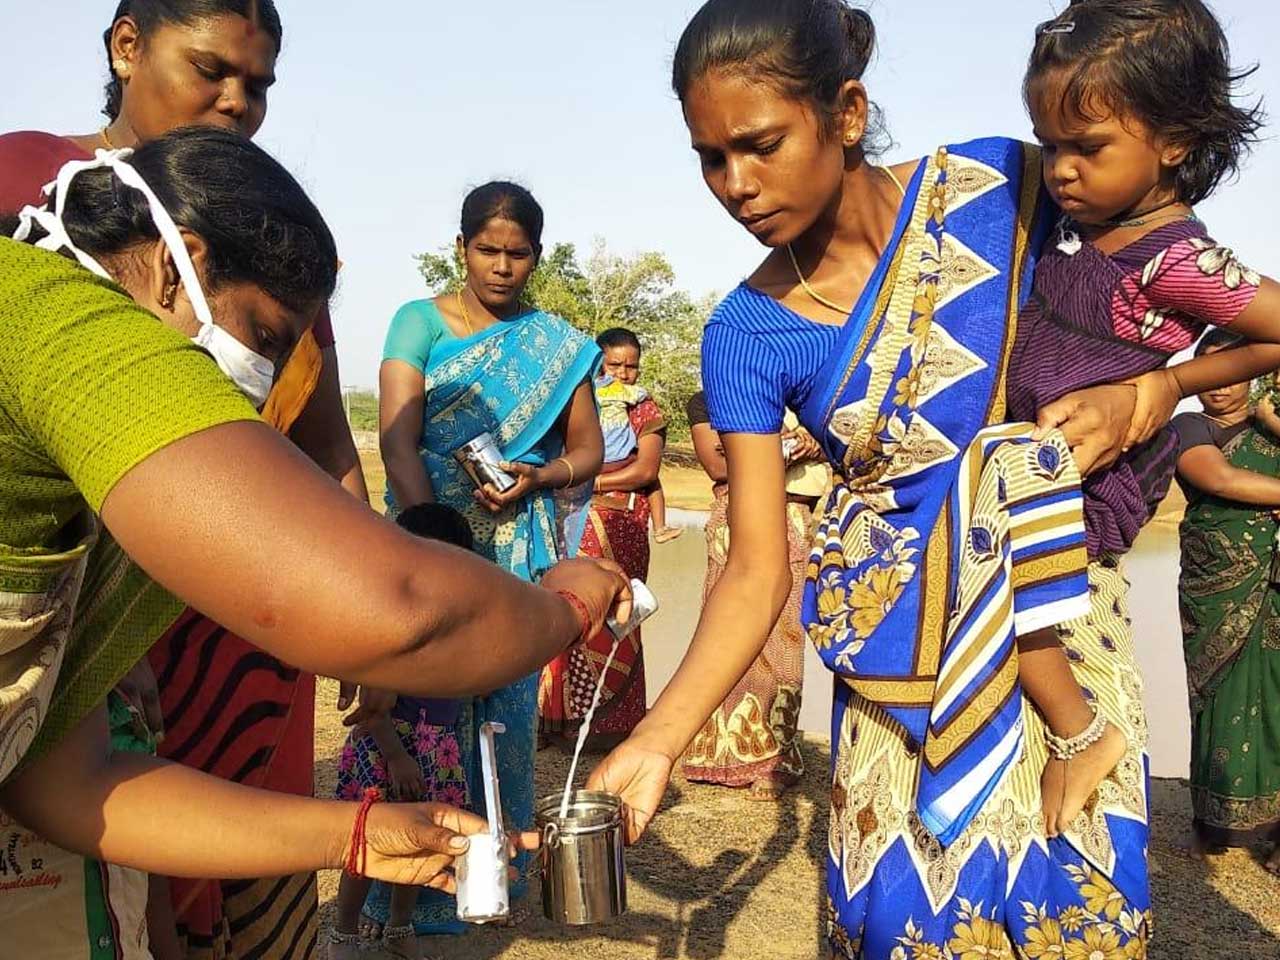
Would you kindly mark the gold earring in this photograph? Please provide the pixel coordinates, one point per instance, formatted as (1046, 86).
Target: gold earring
(169, 295)
(121, 66)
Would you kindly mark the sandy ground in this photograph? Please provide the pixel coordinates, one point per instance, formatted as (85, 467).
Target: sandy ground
(718, 876)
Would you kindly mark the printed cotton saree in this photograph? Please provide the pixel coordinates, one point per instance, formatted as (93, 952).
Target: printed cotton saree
(1229, 593)
(946, 534)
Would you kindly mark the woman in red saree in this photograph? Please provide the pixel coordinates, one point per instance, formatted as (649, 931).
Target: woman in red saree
(617, 529)
(226, 707)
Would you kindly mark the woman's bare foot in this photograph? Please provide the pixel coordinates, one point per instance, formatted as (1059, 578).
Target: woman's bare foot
(1272, 866)
(1080, 777)
(667, 534)
(1053, 783)
(344, 946)
(1202, 849)
(402, 942)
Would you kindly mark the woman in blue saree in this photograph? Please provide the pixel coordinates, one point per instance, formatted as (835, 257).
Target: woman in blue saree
(883, 315)
(476, 361)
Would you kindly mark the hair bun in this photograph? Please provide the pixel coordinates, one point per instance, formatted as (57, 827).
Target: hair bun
(862, 34)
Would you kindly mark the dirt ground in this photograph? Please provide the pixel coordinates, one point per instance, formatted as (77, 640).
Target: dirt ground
(718, 876)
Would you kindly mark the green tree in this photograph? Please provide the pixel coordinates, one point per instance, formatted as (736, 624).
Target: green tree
(610, 290)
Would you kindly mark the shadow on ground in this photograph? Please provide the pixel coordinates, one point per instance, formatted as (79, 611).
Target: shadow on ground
(719, 876)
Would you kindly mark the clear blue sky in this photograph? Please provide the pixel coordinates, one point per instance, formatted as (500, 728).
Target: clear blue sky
(389, 110)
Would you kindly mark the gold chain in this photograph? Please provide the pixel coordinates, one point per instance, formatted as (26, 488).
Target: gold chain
(466, 317)
(795, 264)
(106, 139)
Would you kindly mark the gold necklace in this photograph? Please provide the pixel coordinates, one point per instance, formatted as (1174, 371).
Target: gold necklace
(804, 284)
(795, 264)
(106, 139)
(466, 317)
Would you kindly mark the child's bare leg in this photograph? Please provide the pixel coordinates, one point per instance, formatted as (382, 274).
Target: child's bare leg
(344, 941)
(658, 509)
(1065, 786)
(399, 937)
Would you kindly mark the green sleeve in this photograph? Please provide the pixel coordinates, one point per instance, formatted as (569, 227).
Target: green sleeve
(96, 382)
(415, 329)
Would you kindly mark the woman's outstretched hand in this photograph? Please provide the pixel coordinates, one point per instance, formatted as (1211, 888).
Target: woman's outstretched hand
(639, 776)
(1095, 423)
(415, 844)
(601, 585)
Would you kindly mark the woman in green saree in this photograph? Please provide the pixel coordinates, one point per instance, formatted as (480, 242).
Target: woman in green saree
(1229, 593)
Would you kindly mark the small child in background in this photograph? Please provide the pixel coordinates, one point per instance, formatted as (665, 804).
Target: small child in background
(616, 393)
(1132, 102)
(410, 754)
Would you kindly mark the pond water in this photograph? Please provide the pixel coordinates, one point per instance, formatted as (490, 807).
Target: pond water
(676, 574)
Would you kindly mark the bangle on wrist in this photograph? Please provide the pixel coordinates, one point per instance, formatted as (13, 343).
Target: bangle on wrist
(582, 613)
(1182, 391)
(358, 852)
(568, 466)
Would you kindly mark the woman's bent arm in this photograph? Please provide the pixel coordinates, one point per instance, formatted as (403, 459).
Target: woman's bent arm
(235, 521)
(1206, 469)
(641, 474)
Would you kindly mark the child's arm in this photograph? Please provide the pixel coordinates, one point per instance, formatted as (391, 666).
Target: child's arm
(1265, 414)
(1210, 297)
(402, 769)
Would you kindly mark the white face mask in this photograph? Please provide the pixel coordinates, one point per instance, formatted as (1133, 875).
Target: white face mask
(248, 370)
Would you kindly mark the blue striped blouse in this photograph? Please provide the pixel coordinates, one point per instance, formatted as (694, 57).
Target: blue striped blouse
(758, 358)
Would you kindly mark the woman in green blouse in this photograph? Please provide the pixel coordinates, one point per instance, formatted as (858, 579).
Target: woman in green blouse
(111, 418)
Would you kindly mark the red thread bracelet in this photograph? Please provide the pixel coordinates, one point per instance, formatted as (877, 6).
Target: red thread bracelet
(584, 615)
(358, 855)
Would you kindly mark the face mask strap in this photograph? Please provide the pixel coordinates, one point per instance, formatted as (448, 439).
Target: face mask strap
(169, 232)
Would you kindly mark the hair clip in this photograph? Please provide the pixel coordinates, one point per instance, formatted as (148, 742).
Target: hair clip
(1052, 27)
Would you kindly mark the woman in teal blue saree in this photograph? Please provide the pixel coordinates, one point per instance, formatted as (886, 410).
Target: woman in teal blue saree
(472, 362)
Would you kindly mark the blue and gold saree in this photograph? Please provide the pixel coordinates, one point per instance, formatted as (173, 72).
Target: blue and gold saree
(947, 534)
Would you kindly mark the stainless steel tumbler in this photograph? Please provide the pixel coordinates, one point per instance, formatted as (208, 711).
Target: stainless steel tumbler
(584, 874)
(482, 460)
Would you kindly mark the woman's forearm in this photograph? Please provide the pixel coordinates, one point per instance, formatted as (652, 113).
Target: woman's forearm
(1245, 486)
(735, 623)
(634, 476)
(640, 474)
(123, 802)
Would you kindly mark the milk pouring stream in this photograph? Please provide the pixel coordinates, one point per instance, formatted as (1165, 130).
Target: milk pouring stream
(643, 605)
